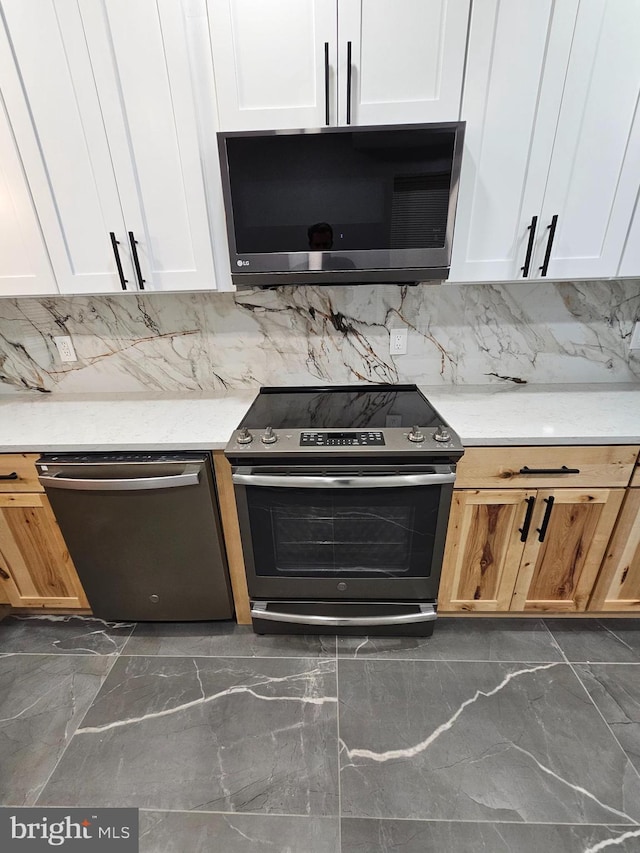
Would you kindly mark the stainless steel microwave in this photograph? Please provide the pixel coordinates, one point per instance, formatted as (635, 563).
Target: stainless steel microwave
(341, 205)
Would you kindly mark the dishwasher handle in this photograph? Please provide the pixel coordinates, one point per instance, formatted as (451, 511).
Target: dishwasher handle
(190, 476)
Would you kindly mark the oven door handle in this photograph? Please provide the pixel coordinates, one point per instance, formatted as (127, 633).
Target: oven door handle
(427, 613)
(296, 481)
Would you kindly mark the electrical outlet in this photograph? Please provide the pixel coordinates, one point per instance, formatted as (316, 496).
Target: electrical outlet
(635, 336)
(398, 342)
(65, 348)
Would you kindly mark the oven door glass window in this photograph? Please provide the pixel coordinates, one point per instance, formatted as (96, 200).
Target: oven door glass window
(350, 533)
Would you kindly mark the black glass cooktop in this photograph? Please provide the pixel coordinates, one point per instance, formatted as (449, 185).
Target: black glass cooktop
(341, 406)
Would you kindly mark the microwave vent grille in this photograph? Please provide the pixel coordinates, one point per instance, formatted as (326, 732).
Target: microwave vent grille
(419, 209)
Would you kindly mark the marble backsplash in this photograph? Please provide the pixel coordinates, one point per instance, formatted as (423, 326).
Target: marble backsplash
(541, 332)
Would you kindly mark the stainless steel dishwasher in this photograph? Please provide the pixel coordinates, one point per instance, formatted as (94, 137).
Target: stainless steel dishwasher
(143, 530)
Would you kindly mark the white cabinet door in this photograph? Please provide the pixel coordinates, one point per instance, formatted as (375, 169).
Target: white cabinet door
(24, 263)
(140, 58)
(553, 135)
(595, 171)
(517, 59)
(407, 60)
(272, 61)
(630, 264)
(55, 115)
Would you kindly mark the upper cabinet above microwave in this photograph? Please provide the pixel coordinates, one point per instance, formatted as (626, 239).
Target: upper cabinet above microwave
(318, 63)
(550, 170)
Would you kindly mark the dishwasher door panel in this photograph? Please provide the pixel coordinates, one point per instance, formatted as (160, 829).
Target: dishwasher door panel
(145, 538)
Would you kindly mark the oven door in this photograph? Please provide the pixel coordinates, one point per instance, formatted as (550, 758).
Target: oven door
(333, 534)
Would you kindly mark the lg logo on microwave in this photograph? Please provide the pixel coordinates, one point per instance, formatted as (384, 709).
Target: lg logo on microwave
(241, 263)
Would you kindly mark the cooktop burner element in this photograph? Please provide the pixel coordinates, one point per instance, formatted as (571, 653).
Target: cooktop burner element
(397, 420)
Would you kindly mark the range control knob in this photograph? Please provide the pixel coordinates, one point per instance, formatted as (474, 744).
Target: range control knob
(441, 433)
(416, 434)
(244, 437)
(269, 436)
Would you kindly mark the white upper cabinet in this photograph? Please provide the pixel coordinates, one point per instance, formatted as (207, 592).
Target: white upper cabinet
(312, 63)
(407, 60)
(630, 264)
(275, 62)
(24, 263)
(102, 103)
(549, 177)
(594, 176)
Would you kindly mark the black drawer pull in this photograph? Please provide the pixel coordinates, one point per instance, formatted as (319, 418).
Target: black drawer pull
(562, 470)
(545, 521)
(4, 574)
(552, 233)
(532, 236)
(12, 476)
(116, 254)
(524, 530)
(136, 261)
(326, 82)
(348, 82)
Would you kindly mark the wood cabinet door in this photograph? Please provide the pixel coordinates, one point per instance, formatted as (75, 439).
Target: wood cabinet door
(484, 548)
(35, 567)
(407, 60)
(270, 62)
(558, 573)
(618, 586)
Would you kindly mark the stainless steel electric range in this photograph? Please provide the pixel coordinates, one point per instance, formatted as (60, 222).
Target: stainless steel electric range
(343, 497)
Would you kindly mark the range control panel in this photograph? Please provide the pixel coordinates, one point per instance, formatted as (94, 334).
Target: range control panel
(335, 439)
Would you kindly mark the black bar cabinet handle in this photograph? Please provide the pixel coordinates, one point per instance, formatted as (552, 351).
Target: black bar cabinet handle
(136, 262)
(561, 470)
(115, 244)
(524, 530)
(545, 521)
(532, 236)
(552, 234)
(12, 476)
(326, 82)
(348, 82)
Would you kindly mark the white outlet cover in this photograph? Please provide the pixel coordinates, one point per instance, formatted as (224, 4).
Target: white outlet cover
(397, 341)
(65, 348)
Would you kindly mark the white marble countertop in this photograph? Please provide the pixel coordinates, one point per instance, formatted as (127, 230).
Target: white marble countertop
(482, 415)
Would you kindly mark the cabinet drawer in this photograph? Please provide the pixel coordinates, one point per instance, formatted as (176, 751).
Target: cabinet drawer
(502, 467)
(23, 465)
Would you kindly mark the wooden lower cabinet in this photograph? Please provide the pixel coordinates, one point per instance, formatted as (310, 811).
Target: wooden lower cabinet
(558, 573)
(484, 549)
(35, 567)
(497, 557)
(618, 587)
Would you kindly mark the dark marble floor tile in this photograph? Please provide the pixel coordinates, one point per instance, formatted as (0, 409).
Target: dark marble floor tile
(216, 734)
(478, 741)
(462, 638)
(223, 639)
(203, 832)
(598, 640)
(49, 634)
(615, 689)
(411, 836)
(42, 700)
